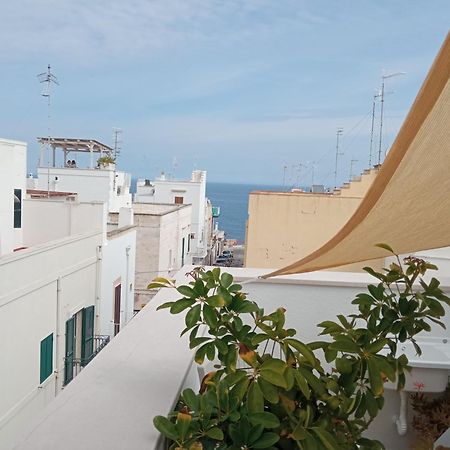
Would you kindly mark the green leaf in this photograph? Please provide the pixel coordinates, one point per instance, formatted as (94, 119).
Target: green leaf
(269, 391)
(191, 399)
(377, 345)
(215, 433)
(267, 419)
(165, 427)
(164, 305)
(344, 345)
(376, 382)
(216, 301)
(181, 305)
(272, 370)
(193, 316)
(255, 399)
(302, 384)
(344, 365)
(312, 380)
(210, 316)
(234, 377)
(266, 440)
(186, 291)
(385, 247)
(299, 432)
(246, 307)
(225, 280)
(302, 349)
(327, 438)
(195, 342)
(235, 288)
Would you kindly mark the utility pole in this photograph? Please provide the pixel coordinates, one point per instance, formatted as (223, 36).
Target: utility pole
(372, 127)
(338, 134)
(284, 175)
(383, 78)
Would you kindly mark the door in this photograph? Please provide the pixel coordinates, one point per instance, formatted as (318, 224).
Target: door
(117, 299)
(70, 350)
(182, 253)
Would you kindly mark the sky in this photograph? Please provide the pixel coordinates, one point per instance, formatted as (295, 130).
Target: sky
(252, 91)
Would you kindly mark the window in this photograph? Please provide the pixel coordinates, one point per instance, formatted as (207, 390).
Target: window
(70, 349)
(46, 358)
(179, 200)
(17, 208)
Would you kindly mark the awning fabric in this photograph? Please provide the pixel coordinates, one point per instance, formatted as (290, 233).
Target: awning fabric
(408, 204)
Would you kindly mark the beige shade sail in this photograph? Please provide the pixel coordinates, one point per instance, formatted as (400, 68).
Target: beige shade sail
(408, 204)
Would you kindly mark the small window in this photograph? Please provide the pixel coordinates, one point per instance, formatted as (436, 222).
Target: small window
(46, 357)
(179, 200)
(17, 208)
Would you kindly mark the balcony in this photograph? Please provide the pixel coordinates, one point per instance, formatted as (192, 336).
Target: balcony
(142, 371)
(73, 366)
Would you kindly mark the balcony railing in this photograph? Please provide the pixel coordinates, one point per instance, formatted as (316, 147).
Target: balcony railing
(73, 366)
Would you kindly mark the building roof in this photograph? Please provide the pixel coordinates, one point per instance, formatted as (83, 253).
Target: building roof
(39, 193)
(76, 145)
(408, 205)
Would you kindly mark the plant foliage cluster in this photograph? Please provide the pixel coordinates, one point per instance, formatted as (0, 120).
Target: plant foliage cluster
(269, 389)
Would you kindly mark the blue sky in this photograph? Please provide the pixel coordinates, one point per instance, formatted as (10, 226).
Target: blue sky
(240, 88)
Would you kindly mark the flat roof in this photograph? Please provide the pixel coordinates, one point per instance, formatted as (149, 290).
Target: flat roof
(76, 145)
(38, 193)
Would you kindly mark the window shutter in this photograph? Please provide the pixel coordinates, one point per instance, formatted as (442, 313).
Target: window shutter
(46, 363)
(17, 208)
(70, 349)
(87, 340)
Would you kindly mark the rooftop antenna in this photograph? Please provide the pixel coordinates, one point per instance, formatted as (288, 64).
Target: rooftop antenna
(47, 78)
(174, 165)
(284, 175)
(339, 132)
(117, 136)
(372, 127)
(383, 78)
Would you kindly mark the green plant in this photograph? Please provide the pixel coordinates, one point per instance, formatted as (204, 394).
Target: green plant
(104, 160)
(269, 389)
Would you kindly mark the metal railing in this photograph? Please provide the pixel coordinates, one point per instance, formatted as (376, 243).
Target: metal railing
(73, 366)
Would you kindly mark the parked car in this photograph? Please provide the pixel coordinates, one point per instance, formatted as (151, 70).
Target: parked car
(227, 253)
(223, 261)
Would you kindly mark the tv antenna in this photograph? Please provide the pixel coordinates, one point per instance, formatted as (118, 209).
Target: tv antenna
(47, 79)
(339, 132)
(117, 136)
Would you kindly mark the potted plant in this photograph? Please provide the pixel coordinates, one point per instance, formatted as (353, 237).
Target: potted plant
(271, 390)
(105, 161)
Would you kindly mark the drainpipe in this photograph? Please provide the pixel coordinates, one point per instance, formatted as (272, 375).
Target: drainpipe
(98, 282)
(57, 337)
(401, 419)
(127, 288)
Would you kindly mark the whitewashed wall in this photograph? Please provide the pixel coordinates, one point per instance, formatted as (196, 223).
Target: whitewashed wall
(13, 167)
(46, 220)
(89, 184)
(40, 289)
(118, 266)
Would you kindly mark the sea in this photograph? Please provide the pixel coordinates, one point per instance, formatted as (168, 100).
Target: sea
(233, 202)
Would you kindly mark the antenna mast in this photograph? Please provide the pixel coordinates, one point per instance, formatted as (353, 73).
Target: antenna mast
(117, 141)
(338, 135)
(47, 78)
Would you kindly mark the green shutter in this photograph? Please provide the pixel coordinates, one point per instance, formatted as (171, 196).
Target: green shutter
(87, 342)
(17, 208)
(70, 350)
(46, 366)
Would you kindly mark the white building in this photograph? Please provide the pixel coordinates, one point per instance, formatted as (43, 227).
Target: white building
(163, 243)
(64, 292)
(192, 192)
(90, 178)
(13, 156)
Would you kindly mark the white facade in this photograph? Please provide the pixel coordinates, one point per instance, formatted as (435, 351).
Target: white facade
(13, 167)
(103, 184)
(192, 192)
(162, 243)
(117, 279)
(62, 296)
(40, 289)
